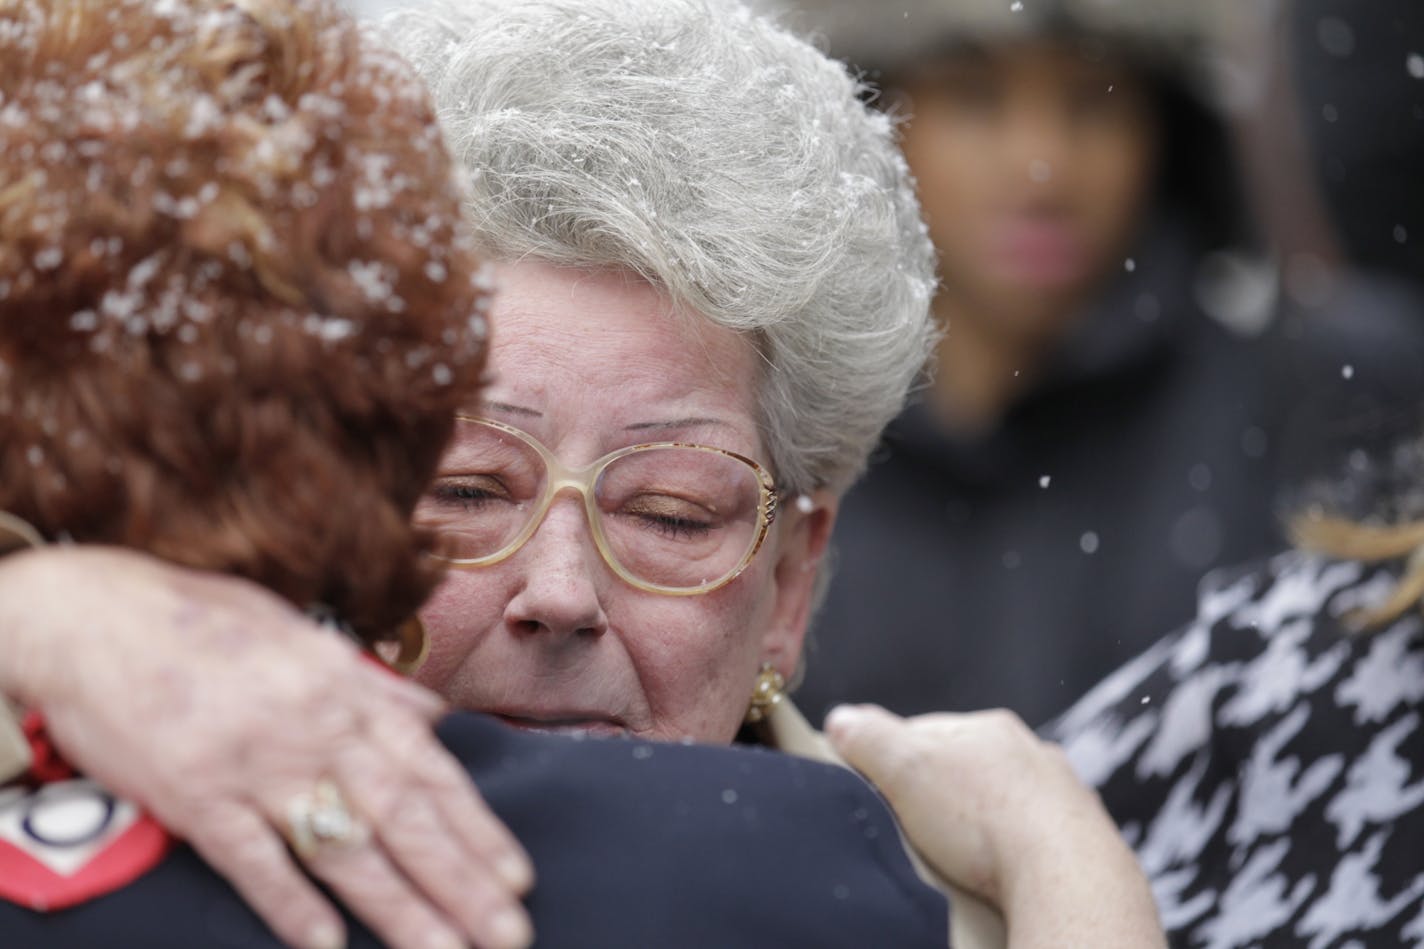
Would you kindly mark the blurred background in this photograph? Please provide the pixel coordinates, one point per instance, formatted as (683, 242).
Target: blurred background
(1180, 242)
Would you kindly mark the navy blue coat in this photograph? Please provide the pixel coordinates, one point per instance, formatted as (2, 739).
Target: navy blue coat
(634, 843)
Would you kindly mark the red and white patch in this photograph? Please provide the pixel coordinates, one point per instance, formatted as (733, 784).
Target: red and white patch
(66, 842)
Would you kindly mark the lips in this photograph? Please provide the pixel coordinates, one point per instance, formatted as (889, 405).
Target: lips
(1041, 251)
(584, 723)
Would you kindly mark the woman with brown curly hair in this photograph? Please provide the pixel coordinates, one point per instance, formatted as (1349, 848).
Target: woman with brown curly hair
(237, 315)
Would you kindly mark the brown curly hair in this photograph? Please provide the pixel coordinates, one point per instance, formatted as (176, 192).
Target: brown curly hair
(237, 307)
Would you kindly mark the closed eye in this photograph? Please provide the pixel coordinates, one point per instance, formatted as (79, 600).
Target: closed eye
(468, 492)
(672, 517)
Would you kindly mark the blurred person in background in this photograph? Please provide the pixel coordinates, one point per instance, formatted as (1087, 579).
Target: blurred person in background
(1121, 394)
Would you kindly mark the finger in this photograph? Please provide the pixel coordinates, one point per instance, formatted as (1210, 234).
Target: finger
(864, 735)
(461, 879)
(899, 757)
(243, 847)
(470, 820)
(364, 880)
(384, 685)
(464, 813)
(879, 744)
(437, 774)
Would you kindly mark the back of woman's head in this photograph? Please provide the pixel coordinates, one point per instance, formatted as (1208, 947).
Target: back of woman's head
(237, 311)
(723, 159)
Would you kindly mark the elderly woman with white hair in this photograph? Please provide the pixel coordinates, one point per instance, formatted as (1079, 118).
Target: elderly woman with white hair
(713, 291)
(701, 237)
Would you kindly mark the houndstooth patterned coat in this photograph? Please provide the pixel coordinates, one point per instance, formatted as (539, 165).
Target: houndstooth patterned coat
(1267, 763)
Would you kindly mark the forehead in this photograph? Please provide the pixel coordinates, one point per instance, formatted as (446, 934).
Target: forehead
(605, 343)
(1029, 60)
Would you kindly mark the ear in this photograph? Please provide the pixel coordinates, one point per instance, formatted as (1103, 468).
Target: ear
(804, 525)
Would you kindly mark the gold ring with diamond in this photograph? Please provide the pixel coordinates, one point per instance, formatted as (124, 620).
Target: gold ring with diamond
(320, 818)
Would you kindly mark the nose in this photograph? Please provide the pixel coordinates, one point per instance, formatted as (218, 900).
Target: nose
(1037, 145)
(562, 574)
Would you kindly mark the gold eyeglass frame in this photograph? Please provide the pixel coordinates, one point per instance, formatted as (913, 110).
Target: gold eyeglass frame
(583, 480)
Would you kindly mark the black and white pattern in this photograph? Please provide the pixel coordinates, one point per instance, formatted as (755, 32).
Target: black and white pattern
(1267, 763)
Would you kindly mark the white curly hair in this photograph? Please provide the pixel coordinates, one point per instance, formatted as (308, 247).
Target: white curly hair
(724, 160)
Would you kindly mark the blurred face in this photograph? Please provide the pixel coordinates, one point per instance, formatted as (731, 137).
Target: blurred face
(1033, 165)
(588, 363)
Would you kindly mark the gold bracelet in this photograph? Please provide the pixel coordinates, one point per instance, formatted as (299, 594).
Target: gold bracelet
(15, 754)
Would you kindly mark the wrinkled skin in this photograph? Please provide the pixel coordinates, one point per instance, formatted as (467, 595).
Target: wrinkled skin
(588, 362)
(179, 690)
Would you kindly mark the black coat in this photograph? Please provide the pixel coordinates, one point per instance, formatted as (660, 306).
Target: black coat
(635, 844)
(1018, 569)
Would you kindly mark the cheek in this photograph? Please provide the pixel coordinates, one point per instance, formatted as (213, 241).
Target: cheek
(949, 171)
(958, 185)
(1117, 179)
(458, 615)
(697, 668)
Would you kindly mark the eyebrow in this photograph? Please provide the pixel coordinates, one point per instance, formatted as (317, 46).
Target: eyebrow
(674, 423)
(512, 409)
(689, 422)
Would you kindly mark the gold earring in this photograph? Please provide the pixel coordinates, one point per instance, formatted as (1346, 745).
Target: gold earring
(767, 693)
(414, 646)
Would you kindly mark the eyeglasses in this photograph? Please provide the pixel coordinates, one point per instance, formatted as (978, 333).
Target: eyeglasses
(667, 517)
